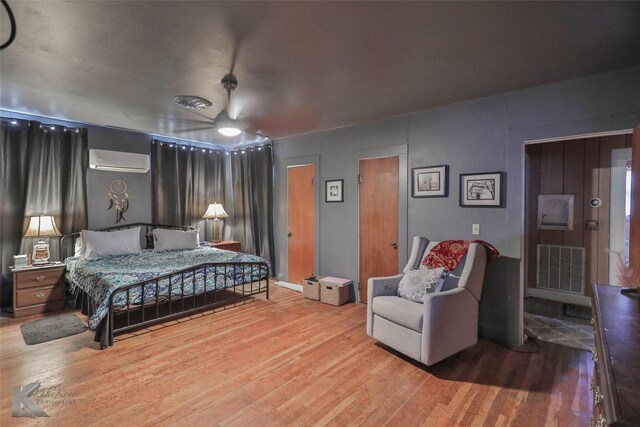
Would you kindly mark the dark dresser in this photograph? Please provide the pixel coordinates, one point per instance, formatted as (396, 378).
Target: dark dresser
(616, 378)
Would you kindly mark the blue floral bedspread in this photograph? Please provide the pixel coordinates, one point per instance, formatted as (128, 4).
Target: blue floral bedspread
(102, 276)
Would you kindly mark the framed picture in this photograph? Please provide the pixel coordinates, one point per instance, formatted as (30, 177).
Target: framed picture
(430, 181)
(555, 212)
(333, 192)
(482, 190)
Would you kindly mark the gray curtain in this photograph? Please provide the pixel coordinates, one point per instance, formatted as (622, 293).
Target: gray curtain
(43, 171)
(252, 185)
(184, 182)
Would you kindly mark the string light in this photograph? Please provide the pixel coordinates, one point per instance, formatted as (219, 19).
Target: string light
(190, 147)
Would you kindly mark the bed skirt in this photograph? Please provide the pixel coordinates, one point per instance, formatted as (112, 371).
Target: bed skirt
(88, 306)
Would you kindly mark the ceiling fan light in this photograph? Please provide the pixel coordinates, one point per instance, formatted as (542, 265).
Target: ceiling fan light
(229, 131)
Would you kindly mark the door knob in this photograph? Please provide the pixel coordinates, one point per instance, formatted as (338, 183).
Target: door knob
(289, 234)
(394, 245)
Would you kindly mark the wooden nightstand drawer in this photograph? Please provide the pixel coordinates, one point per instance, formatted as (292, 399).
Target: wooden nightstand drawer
(47, 295)
(38, 289)
(38, 278)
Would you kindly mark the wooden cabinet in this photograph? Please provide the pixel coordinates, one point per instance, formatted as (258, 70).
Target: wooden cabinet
(616, 372)
(228, 245)
(38, 289)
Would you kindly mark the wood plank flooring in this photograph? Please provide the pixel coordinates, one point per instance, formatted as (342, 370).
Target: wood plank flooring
(293, 362)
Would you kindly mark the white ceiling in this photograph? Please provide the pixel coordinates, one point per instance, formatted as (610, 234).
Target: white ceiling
(301, 66)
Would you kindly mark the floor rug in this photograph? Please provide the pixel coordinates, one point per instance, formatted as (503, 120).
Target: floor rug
(51, 328)
(562, 332)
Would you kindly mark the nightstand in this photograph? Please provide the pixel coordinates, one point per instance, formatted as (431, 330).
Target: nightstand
(38, 289)
(228, 245)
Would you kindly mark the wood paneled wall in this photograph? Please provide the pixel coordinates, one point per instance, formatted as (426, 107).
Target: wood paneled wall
(581, 167)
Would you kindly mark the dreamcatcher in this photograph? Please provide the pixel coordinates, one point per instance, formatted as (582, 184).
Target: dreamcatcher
(119, 199)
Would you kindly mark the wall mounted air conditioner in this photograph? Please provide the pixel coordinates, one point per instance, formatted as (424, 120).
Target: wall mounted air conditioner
(118, 161)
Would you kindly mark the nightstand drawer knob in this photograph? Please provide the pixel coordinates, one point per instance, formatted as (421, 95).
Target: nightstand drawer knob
(40, 278)
(40, 295)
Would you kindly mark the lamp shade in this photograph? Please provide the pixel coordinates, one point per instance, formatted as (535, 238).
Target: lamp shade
(215, 211)
(42, 226)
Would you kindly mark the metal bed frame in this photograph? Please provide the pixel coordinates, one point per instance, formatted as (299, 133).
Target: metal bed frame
(161, 308)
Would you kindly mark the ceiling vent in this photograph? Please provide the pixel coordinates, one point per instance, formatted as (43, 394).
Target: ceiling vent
(118, 161)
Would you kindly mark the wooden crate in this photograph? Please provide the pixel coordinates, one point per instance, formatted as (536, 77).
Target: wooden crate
(334, 290)
(311, 287)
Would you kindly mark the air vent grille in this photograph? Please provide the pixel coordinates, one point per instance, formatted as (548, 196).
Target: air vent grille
(561, 268)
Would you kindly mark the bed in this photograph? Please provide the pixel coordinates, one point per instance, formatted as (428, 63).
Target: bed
(128, 291)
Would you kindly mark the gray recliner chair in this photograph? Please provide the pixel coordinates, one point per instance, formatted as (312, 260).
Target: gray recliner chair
(445, 324)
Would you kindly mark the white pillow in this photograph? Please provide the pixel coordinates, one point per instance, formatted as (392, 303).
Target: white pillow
(415, 284)
(103, 243)
(164, 240)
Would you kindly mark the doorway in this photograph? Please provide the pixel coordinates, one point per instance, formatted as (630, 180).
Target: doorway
(572, 204)
(620, 211)
(378, 180)
(300, 222)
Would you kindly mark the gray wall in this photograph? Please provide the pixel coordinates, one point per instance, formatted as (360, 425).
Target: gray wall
(482, 135)
(139, 184)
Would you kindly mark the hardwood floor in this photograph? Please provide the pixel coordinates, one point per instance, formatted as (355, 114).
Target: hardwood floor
(288, 361)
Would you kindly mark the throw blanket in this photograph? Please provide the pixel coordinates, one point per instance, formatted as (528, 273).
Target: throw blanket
(448, 253)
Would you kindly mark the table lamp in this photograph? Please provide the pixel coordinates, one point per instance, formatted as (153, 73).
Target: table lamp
(215, 211)
(41, 226)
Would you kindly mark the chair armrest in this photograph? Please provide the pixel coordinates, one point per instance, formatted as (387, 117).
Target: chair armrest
(379, 286)
(450, 324)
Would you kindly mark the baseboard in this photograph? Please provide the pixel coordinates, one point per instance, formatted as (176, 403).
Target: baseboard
(559, 296)
(291, 286)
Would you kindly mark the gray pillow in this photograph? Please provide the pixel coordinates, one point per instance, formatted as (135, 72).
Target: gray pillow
(175, 239)
(415, 284)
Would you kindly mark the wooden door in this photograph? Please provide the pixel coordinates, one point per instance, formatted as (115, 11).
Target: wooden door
(300, 197)
(634, 223)
(378, 219)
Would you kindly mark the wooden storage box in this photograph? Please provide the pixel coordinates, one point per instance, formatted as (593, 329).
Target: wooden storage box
(311, 287)
(334, 290)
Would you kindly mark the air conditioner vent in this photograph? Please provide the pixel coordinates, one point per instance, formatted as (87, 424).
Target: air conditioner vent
(117, 161)
(561, 268)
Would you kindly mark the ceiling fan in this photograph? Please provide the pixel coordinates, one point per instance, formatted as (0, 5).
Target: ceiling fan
(224, 124)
